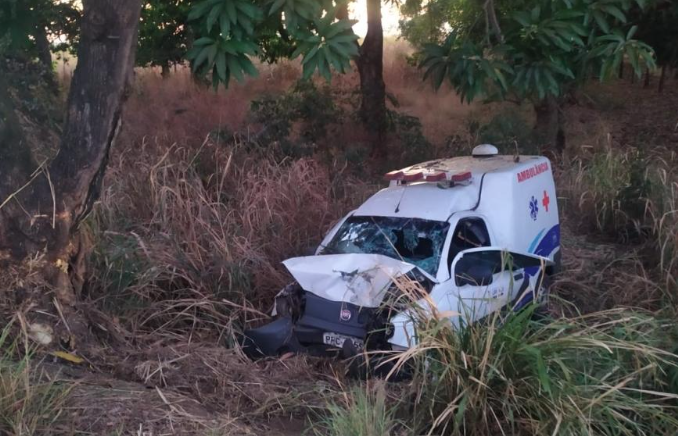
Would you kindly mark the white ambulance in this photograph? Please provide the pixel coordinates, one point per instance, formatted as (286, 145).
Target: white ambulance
(479, 233)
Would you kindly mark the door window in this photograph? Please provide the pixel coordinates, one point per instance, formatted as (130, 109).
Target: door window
(469, 233)
(477, 268)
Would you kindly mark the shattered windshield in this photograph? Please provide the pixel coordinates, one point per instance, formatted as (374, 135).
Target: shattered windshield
(416, 241)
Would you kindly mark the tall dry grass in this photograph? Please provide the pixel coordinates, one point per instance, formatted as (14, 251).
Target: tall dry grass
(629, 197)
(186, 235)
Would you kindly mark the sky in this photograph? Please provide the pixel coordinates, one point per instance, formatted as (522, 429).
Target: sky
(389, 13)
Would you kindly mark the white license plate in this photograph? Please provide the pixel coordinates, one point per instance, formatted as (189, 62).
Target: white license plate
(335, 340)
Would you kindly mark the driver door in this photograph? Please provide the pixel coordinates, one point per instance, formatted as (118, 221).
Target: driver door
(490, 278)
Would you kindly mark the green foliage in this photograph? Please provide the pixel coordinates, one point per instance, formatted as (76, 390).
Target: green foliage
(21, 19)
(509, 131)
(310, 110)
(546, 47)
(657, 27)
(231, 31)
(164, 34)
(464, 65)
(412, 141)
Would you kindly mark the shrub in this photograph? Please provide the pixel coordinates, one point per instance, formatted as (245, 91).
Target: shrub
(408, 131)
(606, 373)
(297, 119)
(509, 131)
(364, 411)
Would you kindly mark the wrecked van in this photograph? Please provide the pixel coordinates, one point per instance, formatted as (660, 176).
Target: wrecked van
(477, 234)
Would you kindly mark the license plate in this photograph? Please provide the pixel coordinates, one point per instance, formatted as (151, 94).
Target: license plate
(336, 340)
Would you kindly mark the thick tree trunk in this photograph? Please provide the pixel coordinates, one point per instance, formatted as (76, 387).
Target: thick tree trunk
(46, 213)
(371, 69)
(548, 128)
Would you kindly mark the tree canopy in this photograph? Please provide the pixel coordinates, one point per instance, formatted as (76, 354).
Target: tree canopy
(230, 31)
(23, 23)
(525, 48)
(164, 34)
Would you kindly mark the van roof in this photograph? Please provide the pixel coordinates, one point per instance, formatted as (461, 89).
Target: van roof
(428, 200)
(475, 165)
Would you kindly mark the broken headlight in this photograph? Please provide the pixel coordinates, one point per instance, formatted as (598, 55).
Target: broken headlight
(288, 302)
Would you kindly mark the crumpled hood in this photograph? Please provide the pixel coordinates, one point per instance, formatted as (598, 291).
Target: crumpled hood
(360, 279)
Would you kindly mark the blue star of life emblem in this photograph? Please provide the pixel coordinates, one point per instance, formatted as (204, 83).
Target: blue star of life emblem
(534, 208)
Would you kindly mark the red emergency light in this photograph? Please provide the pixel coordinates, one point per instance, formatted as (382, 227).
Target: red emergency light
(393, 175)
(413, 177)
(436, 177)
(461, 177)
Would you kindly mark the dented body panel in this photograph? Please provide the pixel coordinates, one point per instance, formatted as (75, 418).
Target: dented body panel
(359, 279)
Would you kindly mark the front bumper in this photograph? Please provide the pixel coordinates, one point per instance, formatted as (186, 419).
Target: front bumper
(319, 320)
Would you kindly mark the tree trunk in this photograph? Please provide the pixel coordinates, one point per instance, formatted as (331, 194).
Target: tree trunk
(621, 70)
(646, 84)
(165, 71)
(662, 79)
(44, 54)
(548, 130)
(45, 215)
(372, 88)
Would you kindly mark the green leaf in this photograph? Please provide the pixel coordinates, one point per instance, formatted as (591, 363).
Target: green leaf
(309, 67)
(277, 4)
(220, 63)
(203, 41)
(213, 15)
(310, 54)
(302, 48)
(199, 10)
(602, 22)
(201, 58)
(211, 54)
(615, 12)
(232, 12)
(248, 9)
(224, 23)
(235, 68)
(248, 66)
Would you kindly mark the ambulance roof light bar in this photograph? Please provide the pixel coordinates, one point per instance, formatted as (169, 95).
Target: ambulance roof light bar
(437, 176)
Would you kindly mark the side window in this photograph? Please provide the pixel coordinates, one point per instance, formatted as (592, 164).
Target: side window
(478, 268)
(469, 233)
